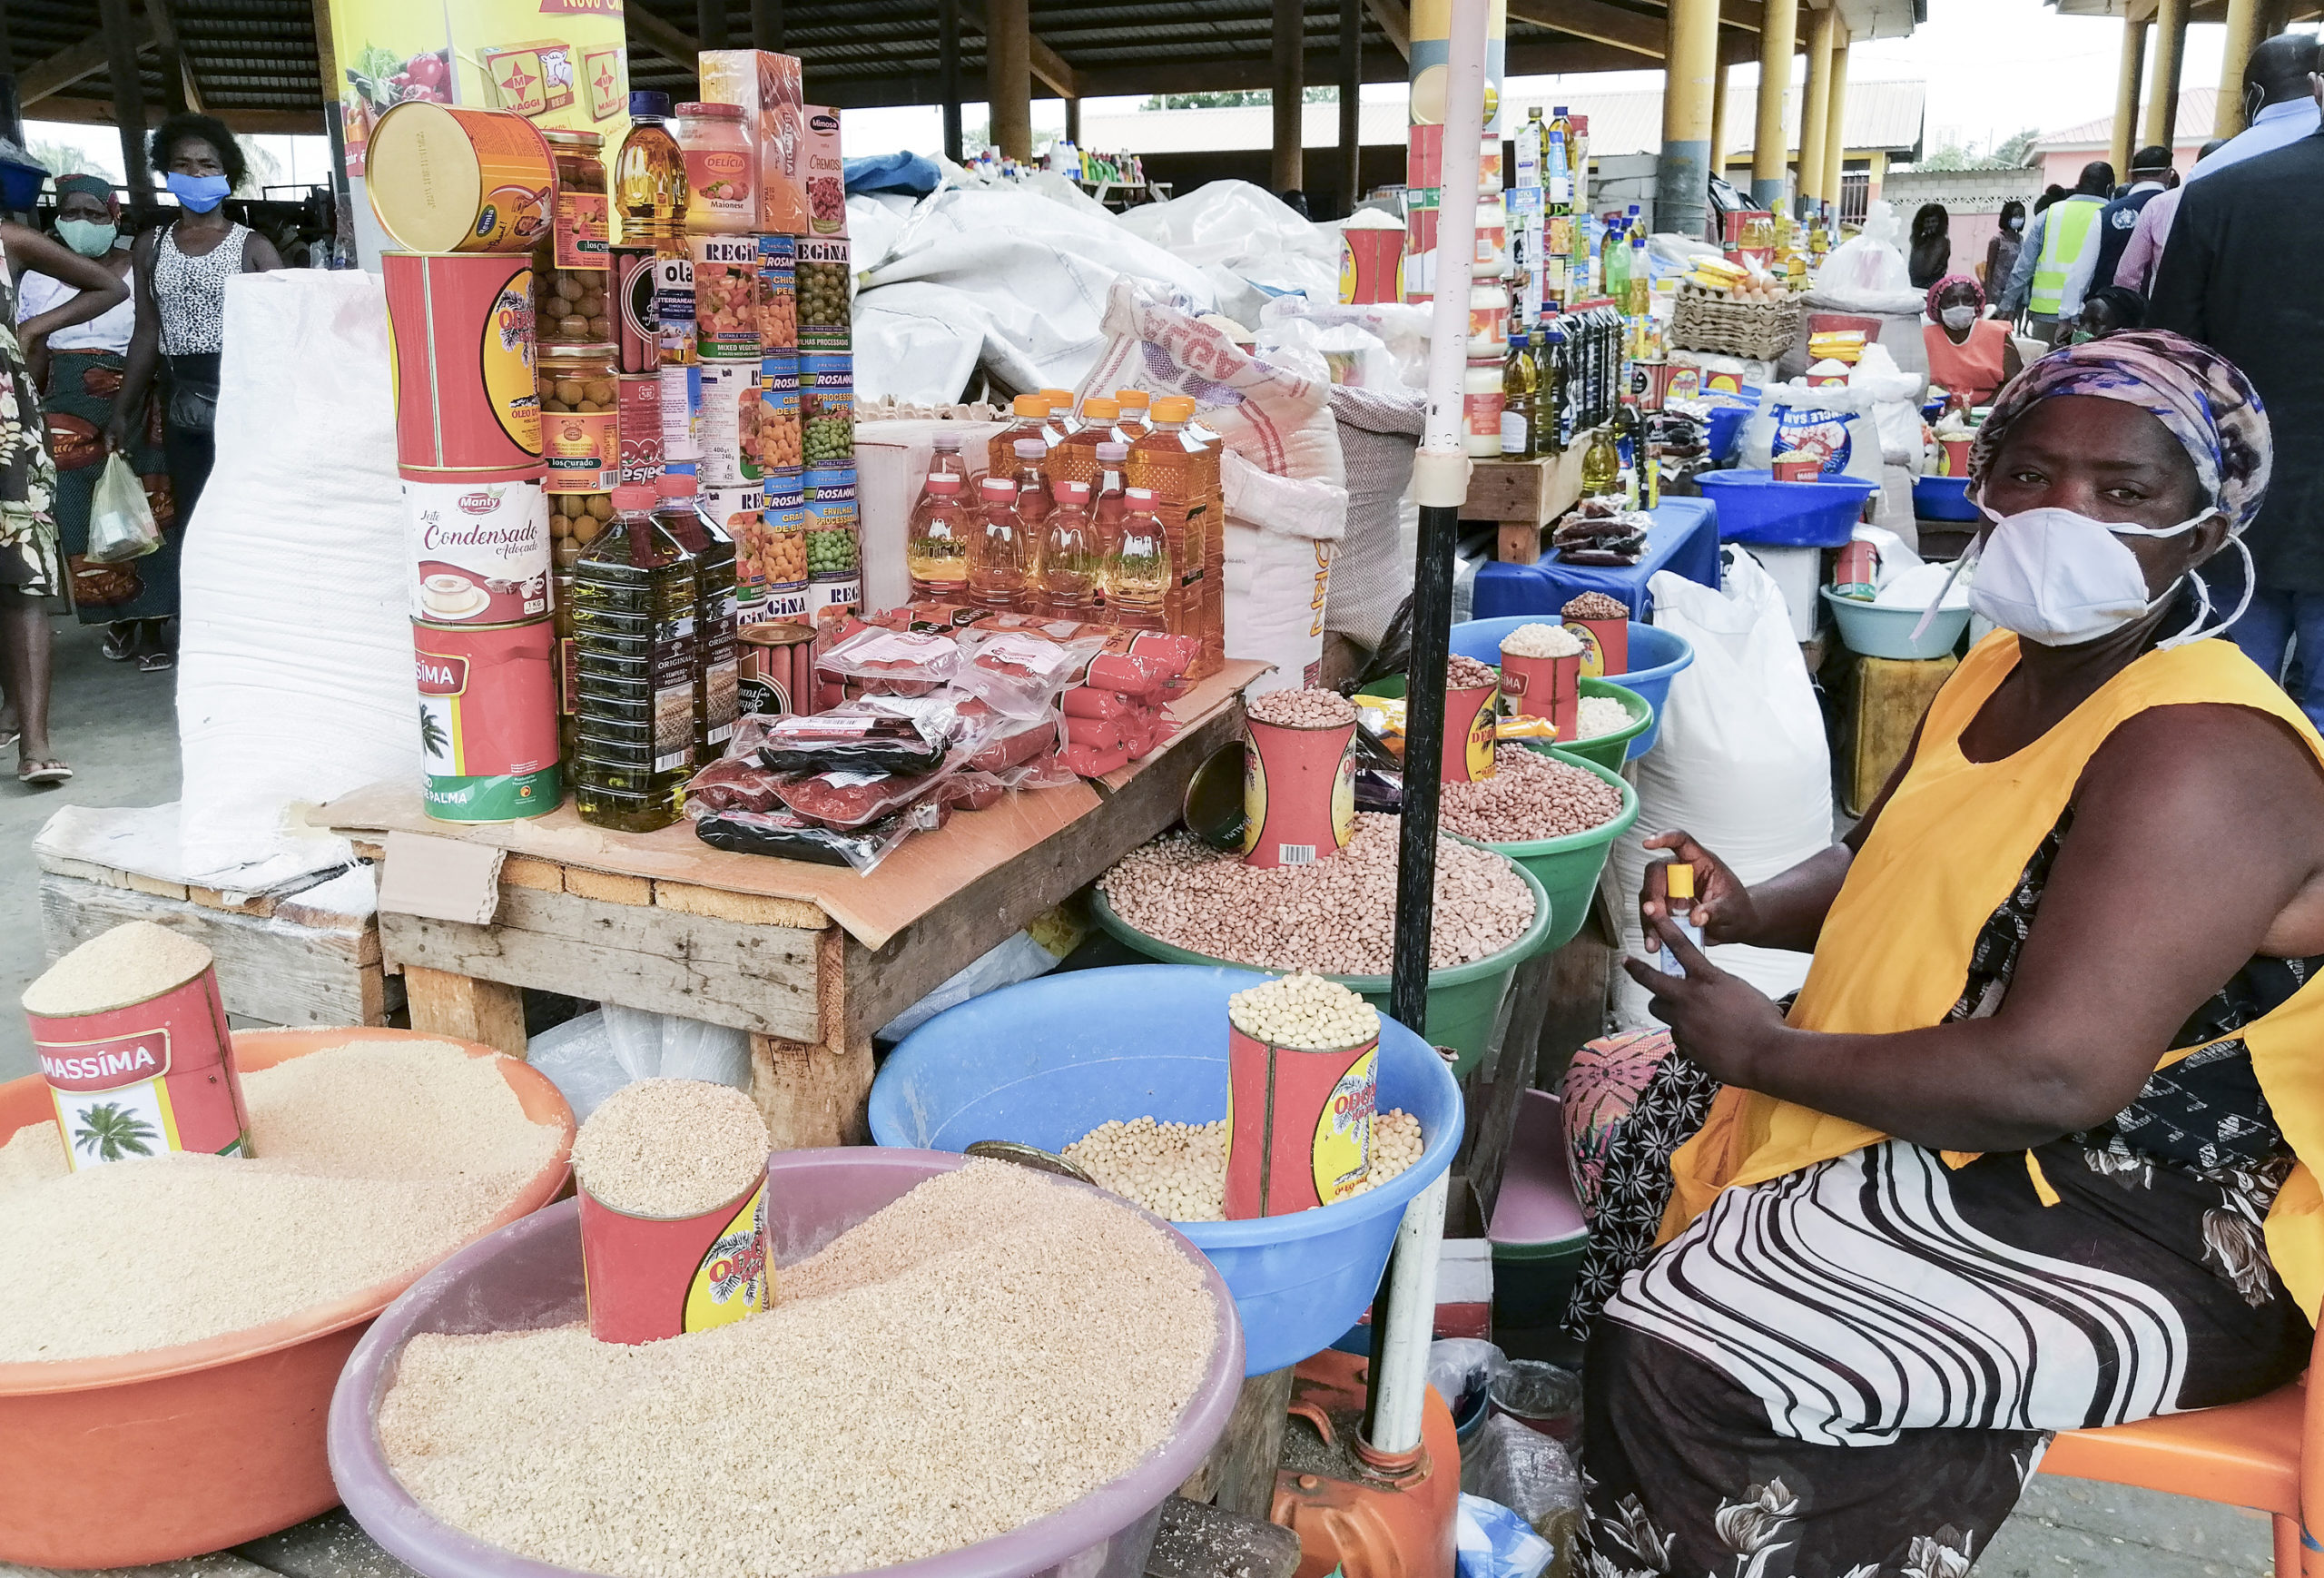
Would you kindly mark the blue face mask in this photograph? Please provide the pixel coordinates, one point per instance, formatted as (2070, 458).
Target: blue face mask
(199, 193)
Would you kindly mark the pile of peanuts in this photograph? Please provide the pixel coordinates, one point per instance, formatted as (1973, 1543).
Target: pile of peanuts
(1337, 915)
(1178, 1170)
(1595, 606)
(1302, 709)
(1529, 796)
(1307, 1011)
(571, 306)
(1468, 674)
(1540, 641)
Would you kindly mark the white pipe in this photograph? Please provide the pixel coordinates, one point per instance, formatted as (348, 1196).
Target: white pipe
(1441, 474)
(1403, 1380)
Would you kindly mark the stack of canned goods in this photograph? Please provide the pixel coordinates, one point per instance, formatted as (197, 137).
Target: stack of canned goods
(470, 439)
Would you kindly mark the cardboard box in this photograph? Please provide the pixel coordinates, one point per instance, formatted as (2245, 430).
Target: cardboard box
(825, 180)
(768, 86)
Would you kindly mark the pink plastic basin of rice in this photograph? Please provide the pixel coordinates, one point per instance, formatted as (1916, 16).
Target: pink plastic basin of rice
(528, 1276)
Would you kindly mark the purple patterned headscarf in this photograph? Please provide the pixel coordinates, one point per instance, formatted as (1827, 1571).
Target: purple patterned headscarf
(1946, 283)
(2203, 398)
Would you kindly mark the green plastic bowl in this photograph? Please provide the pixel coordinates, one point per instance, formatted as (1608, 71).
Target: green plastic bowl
(1463, 1000)
(1568, 867)
(1606, 750)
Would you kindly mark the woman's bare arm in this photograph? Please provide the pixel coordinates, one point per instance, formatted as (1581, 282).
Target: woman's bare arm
(144, 348)
(100, 289)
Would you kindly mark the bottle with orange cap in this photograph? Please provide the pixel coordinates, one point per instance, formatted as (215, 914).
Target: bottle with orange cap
(1134, 423)
(1061, 419)
(1178, 468)
(1031, 413)
(1076, 459)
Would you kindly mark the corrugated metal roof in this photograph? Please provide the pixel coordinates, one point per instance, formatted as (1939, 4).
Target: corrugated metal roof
(2196, 107)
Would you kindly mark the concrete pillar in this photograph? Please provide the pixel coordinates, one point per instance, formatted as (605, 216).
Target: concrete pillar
(2162, 94)
(2243, 23)
(1719, 121)
(1351, 155)
(1814, 101)
(1778, 30)
(1689, 83)
(2126, 95)
(947, 69)
(1008, 76)
(1287, 171)
(1836, 140)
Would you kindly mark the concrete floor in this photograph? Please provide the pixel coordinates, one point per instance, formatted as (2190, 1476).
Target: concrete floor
(118, 728)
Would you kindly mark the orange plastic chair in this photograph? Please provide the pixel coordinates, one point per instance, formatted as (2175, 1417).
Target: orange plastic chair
(2246, 1455)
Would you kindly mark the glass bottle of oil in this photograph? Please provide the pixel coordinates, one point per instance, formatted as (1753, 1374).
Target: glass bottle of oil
(634, 597)
(650, 174)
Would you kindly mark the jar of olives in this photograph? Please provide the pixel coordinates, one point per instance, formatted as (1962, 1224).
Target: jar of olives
(569, 297)
(823, 281)
(581, 443)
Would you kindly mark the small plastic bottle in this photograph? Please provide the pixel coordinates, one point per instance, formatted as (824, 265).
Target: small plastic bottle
(937, 553)
(1139, 573)
(1029, 413)
(997, 551)
(945, 458)
(1134, 424)
(1071, 567)
(1034, 500)
(1679, 885)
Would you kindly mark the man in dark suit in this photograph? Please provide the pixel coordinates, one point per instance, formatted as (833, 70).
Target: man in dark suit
(2239, 274)
(2151, 176)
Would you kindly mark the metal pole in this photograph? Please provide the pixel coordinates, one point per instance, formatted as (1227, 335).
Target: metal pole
(2126, 94)
(1778, 32)
(1289, 170)
(948, 66)
(766, 25)
(710, 23)
(2170, 55)
(122, 33)
(1351, 105)
(1404, 1313)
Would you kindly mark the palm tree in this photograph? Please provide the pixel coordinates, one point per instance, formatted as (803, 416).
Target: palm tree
(432, 738)
(108, 1134)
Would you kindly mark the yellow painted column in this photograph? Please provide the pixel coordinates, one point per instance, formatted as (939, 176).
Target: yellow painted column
(2162, 94)
(1778, 32)
(1879, 173)
(1719, 121)
(2243, 23)
(1835, 139)
(1289, 170)
(1815, 100)
(2128, 72)
(1689, 86)
(1009, 76)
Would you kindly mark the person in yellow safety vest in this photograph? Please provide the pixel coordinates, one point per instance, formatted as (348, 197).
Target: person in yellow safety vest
(2061, 253)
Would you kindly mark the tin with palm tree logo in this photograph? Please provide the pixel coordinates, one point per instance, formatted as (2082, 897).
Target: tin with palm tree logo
(145, 1078)
(488, 720)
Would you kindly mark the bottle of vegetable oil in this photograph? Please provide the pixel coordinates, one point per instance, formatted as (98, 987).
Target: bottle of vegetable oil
(1139, 577)
(650, 174)
(1520, 416)
(1601, 465)
(717, 698)
(634, 599)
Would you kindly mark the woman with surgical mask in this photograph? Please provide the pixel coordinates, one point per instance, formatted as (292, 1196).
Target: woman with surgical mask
(2008, 239)
(182, 268)
(1969, 354)
(2011, 1163)
(78, 370)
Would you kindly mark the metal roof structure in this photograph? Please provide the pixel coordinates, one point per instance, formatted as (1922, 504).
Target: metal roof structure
(255, 64)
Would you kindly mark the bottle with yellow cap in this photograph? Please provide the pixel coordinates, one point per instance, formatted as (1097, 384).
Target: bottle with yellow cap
(1679, 883)
(1180, 470)
(1133, 425)
(1032, 412)
(1061, 419)
(1076, 459)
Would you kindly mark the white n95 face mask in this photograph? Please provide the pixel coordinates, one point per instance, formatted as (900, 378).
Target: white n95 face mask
(2058, 577)
(1960, 316)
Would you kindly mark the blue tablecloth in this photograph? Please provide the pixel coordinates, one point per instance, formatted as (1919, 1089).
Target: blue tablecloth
(1683, 539)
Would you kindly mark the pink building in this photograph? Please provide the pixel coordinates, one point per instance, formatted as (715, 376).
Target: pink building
(2063, 154)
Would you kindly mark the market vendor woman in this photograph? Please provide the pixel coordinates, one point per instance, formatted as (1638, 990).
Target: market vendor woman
(2030, 1152)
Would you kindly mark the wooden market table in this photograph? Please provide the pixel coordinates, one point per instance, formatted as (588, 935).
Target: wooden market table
(811, 960)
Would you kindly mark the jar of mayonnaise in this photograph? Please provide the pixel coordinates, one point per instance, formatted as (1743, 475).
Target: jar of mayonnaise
(721, 169)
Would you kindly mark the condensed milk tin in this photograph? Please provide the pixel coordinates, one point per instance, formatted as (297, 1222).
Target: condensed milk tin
(448, 180)
(481, 550)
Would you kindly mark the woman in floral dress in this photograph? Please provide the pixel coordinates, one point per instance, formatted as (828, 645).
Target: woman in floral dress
(31, 572)
(2031, 1151)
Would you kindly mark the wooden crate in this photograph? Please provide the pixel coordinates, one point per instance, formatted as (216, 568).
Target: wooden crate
(311, 957)
(1523, 496)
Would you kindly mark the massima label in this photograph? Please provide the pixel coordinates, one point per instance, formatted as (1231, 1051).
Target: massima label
(146, 1078)
(488, 720)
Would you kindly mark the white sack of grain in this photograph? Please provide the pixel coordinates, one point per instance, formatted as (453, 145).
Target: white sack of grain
(1282, 535)
(1742, 762)
(294, 676)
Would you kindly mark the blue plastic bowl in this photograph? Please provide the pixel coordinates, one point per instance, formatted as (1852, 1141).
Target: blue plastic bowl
(1753, 507)
(1726, 426)
(1045, 1063)
(1943, 499)
(1654, 657)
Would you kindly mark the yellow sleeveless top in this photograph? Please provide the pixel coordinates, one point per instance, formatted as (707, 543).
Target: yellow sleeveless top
(1948, 848)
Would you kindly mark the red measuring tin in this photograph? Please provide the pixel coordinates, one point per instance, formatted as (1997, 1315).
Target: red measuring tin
(1299, 1124)
(1544, 688)
(460, 346)
(1298, 792)
(1470, 732)
(650, 1277)
(145, 1078)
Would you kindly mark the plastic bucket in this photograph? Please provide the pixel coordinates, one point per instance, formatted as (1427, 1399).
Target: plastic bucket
(1872, 631)
(151, 1457)
(1463, 1000)
(1753, 507)
(1943, 499)
(1726, 426)
(1046, 1062)
(1567, 868)
(1654, 657)
(529, 1275)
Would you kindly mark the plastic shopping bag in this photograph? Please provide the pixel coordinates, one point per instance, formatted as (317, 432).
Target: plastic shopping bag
(121, 522)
